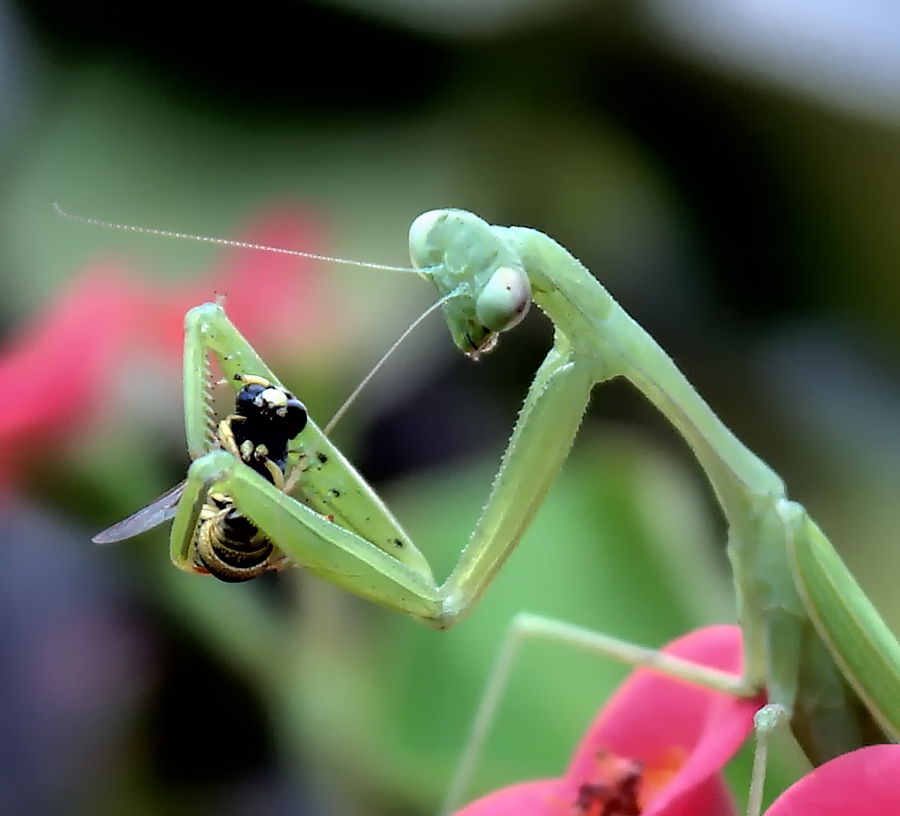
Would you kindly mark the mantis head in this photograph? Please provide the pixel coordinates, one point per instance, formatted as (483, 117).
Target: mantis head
(466, 256)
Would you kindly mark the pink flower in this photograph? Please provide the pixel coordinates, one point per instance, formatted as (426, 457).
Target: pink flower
(861, 783)
(52, 372)
(656, 748)
(56, 374)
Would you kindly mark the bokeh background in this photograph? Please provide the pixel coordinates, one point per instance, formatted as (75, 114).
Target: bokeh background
(729, 168)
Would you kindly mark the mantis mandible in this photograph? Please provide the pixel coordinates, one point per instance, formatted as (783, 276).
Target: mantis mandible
(812, 640)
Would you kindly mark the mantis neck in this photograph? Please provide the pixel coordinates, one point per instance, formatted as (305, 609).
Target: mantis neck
(604, 336)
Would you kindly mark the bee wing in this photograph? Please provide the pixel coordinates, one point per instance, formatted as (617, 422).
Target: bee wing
(156, 513)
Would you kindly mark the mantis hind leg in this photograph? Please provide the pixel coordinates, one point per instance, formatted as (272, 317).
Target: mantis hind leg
(528, 627)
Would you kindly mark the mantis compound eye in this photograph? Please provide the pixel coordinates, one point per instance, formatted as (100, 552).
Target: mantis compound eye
(504, 301)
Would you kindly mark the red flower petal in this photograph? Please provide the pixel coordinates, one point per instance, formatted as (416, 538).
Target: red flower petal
(650, 715)
(541, 798)
(53, 372)
(649, 718)
(861, 783)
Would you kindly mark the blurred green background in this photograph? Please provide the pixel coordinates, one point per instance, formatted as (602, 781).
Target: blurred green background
(731, 170)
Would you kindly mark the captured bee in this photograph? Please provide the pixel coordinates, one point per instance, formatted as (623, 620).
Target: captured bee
(227, 544)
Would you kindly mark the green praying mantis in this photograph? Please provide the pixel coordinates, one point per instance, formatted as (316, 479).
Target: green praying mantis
(813, 642)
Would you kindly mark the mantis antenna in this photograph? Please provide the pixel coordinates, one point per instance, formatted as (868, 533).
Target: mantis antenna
(375, 369)
(292, 480)
(207, 239)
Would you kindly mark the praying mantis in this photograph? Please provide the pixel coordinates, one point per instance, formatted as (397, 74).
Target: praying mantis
(812, 640)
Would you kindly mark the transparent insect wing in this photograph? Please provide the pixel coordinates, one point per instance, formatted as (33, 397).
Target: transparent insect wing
(156, 513)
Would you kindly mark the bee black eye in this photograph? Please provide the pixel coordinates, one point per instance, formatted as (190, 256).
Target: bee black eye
(295, 417)
(244, 401)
